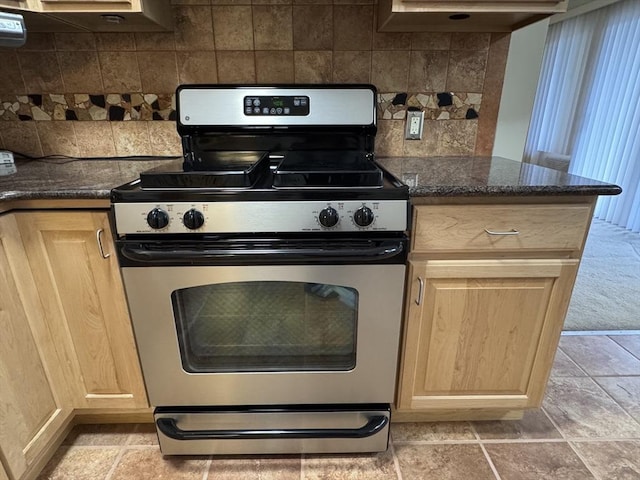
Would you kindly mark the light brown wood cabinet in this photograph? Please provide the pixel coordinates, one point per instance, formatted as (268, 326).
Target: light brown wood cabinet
(94, 15)
(85, 308)
(67, 344)
(488, 289)
(34, 411)
(17, 4)
(477, 16)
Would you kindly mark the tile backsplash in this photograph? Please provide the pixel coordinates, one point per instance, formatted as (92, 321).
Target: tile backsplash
(112, 94)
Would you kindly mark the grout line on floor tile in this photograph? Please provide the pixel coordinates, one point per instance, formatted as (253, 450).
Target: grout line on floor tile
(575, 362)
(115, 463)
(586, 374)
(582, 459)
(625, 348)
(436, 442)
(302, 457)
(205, 475)
(598, 333)
(139, 447)
(631, 417)
(553, 422)
(523, 440)
(89, 447)
(605, 439)
(490, 462)
(602, 439)
(396, 461)
(475, 432)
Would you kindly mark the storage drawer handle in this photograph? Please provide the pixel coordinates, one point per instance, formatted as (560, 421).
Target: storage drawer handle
(99, 240)
(169, 427)
(420, 291)
(513, 231)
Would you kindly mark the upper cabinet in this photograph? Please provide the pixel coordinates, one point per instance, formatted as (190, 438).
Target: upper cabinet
(95, 15)
(463, 16)
(20, 6)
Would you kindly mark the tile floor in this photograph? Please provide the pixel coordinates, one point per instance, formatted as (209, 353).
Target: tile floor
(588, 428)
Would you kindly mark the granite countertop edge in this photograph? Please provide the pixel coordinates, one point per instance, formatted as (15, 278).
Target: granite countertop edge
(510, 191)
(57, 194)
(425, 177)
(488, 177)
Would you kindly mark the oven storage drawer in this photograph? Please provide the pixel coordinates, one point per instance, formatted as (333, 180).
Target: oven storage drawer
(499, 228)
(278, 430)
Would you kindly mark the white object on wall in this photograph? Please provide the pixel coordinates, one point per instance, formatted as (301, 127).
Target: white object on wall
(519, 89)
(13, 32)
(7, 165)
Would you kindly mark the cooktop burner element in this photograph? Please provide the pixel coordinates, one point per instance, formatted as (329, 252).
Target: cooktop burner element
(214, 170)
(327, 169)
(268, 159)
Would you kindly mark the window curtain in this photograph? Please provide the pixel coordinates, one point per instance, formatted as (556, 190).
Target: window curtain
(587, 106)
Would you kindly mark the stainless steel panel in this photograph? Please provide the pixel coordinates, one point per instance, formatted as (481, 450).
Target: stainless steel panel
(250, 217)
(328, 106)
(274, 421)
(380, 289)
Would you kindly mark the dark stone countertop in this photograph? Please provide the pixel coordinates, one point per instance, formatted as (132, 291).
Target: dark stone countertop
(488, 176)
(70, 179)
(444, 176)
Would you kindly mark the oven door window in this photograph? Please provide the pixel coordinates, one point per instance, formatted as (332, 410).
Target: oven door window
(266, 326)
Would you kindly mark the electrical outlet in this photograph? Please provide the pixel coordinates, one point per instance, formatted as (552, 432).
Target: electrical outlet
(415, 122)
(7, 166)
(6, 157)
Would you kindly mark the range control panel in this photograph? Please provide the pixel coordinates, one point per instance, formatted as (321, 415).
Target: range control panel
(277, 105)
(261, 217)
(228, 106)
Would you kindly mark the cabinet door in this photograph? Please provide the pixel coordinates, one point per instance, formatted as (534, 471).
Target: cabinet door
(82, 292)
(88, 4)
(483, 16)
(32, 414)
(13, 3)
(482, 333)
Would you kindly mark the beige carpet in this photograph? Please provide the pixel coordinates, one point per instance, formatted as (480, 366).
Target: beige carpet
(607, 291)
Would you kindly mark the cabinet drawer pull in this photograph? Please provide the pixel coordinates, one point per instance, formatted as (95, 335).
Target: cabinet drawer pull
(420, 291)
(513, 231)
(99, 240)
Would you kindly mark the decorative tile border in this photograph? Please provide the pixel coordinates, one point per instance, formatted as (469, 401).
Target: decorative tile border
(151, 106)
(85, 106)
(436, 106)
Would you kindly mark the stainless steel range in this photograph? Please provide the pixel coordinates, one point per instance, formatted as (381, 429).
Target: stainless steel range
(264, 273)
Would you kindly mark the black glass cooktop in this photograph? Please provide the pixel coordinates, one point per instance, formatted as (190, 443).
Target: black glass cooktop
(327, 169)
(214, 170)
(303, 169)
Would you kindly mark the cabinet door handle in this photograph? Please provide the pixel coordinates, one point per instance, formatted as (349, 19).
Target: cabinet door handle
(99, 240)
(420, 291)
(513, 231)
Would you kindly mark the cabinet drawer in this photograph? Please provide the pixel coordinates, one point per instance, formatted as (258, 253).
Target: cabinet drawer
(499, 227)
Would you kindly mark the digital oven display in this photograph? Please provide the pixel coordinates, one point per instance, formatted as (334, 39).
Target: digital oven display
(297, 106)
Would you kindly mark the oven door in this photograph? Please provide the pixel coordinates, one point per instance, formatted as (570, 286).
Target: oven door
(267, 334)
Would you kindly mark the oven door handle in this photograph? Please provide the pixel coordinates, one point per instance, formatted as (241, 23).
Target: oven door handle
(169, 427)
(207, 255)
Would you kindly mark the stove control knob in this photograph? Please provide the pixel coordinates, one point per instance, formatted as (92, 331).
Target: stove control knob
(363, 216)
(328, 217)
(193, 219)
(157, 219)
